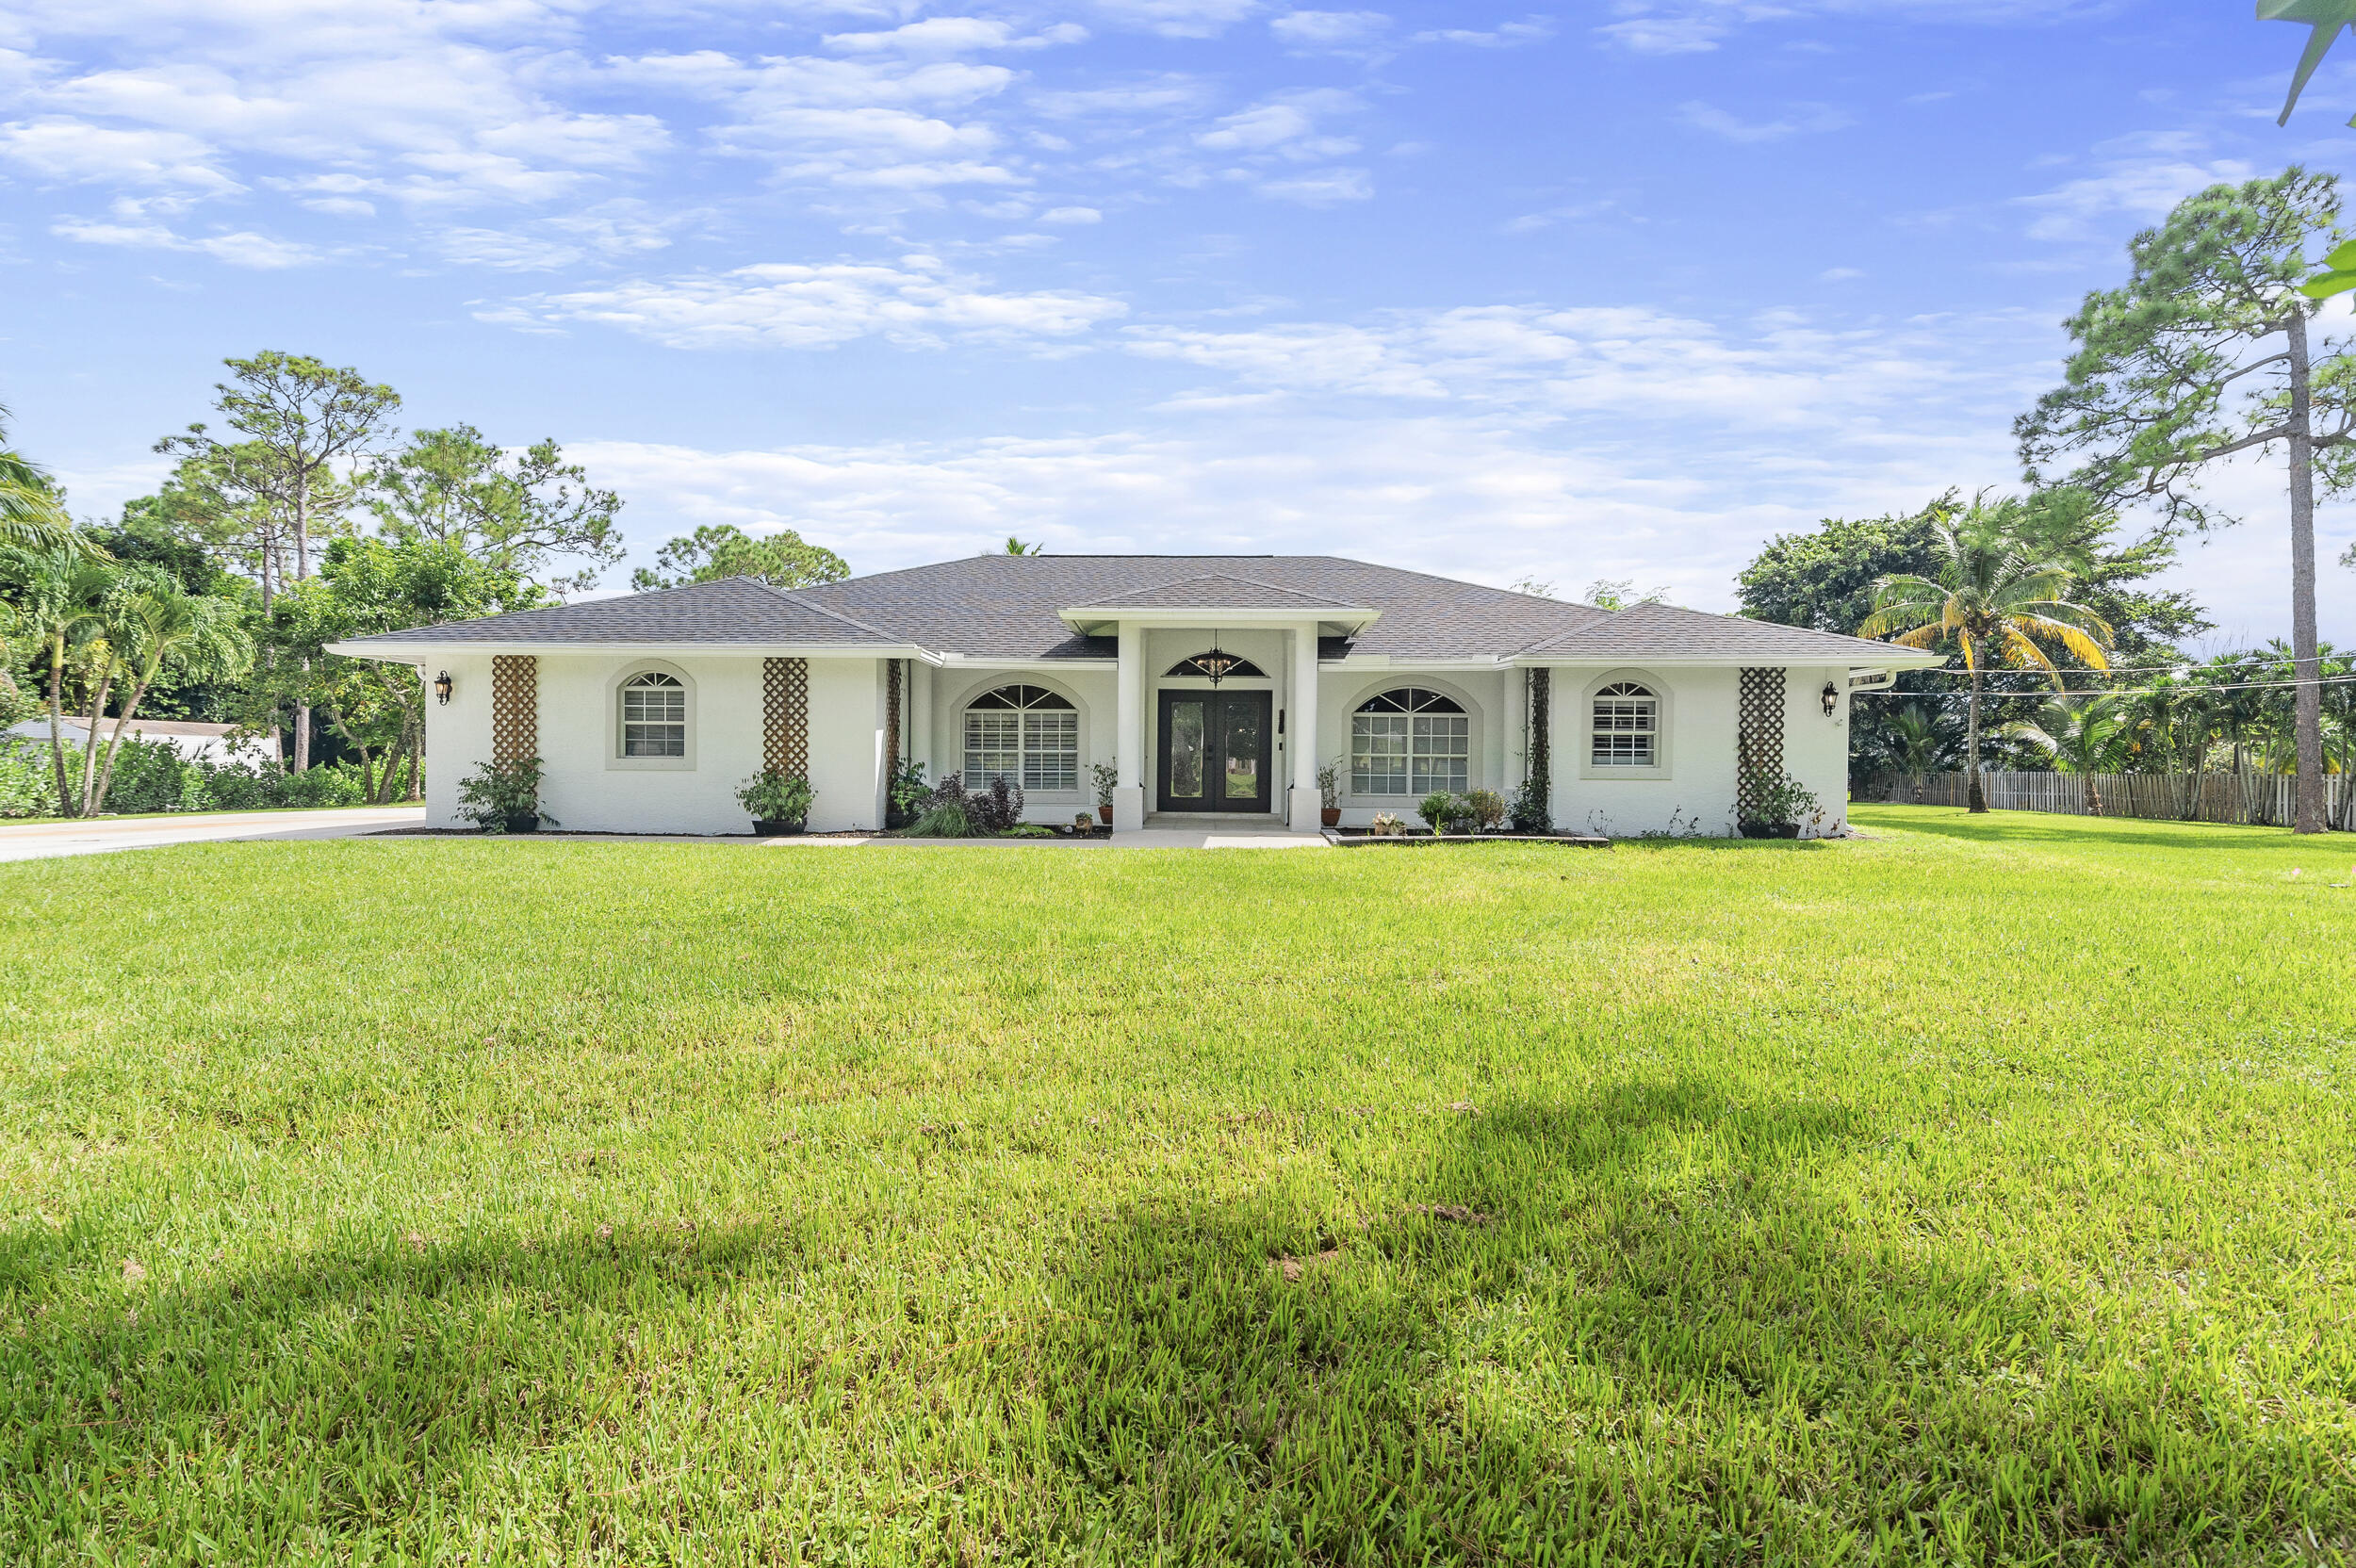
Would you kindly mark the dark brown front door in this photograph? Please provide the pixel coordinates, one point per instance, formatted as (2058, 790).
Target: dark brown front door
(1216, 751)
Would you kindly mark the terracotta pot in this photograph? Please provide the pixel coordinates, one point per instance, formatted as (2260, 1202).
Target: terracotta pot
(1105, 815)
(771, 829)
(1330, 815)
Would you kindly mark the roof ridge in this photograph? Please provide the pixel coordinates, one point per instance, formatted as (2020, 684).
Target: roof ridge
(798, 597)
(1231, 577)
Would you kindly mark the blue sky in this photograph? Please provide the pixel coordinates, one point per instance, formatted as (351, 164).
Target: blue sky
(1591, 291)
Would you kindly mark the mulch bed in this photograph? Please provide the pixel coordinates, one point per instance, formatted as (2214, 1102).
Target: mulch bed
(1359, 838)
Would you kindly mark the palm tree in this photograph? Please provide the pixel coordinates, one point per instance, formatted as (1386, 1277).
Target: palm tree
(58, 596)
(1996, 603)
(1016, 546)
(1915, 736)
(151, 626)
(2083, 735)
(30, 514)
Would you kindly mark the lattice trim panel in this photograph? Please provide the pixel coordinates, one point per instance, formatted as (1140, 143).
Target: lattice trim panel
(1758, 720)
(514, 707)
(892, 702)
(785, 714)
(1542, 730)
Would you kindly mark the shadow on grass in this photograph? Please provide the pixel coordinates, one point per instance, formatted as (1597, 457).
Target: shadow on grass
(1660, 1338)
(346, 1395)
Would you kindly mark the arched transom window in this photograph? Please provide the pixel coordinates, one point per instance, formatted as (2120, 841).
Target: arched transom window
(1027, 735)
(654, 715)
(1627, 727)
(1409, 741)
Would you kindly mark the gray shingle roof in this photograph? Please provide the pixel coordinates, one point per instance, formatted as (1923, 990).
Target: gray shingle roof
(1665, 631)
(733, 610)
(1217, 592)
(1009, 607)
(1006, 606)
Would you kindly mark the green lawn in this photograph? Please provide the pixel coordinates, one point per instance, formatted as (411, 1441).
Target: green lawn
(1984, 1192)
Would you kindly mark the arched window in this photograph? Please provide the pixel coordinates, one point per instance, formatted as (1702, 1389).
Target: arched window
(1409, 741)
(1214, 665)
(1027, 735)
(654, 715)
(1627, 727)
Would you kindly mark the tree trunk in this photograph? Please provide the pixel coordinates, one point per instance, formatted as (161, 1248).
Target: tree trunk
(114, 741)
(1975, 798)
(2308, 817)
(89, 807)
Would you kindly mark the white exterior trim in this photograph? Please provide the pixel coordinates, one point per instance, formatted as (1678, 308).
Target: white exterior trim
(622, 677)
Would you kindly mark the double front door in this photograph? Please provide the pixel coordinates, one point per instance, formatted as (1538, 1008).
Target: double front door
(1216, 752)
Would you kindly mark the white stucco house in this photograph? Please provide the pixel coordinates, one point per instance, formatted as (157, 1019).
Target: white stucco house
(648, 711)
(195, 741)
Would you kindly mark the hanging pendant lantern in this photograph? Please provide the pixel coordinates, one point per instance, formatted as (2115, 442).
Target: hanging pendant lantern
(1215, 664)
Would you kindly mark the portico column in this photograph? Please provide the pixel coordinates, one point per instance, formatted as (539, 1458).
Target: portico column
(1301, 732)
(1129, 731)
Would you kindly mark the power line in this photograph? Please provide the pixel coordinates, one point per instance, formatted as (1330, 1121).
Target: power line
(2113, 692)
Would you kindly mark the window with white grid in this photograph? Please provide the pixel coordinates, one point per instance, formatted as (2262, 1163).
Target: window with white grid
(1627, 727)
(1027, 735)
(654, 715)
(1409, 740)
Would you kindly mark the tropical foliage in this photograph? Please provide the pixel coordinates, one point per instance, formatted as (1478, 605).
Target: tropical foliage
(716, 551)
(1996, 603)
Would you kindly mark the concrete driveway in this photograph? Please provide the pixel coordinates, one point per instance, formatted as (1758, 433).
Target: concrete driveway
(42, 841)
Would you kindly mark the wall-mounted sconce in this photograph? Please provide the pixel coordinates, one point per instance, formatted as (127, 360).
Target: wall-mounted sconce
(441, 688)
(1832, 699)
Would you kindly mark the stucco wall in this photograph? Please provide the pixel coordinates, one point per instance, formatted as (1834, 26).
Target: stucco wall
(1490, 699)
(1093, 693)
(1694, 791)
(587, 786)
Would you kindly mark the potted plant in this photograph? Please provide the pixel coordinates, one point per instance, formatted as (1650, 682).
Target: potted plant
(1330, 793)
(505, 797)
(1083, 823)
(1779, 802)
(779, 802)
(1107, 777)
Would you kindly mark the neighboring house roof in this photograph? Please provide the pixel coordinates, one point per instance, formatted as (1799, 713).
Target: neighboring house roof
(1659, 631)
(1008, 606)
(77, 726)
(733, 609)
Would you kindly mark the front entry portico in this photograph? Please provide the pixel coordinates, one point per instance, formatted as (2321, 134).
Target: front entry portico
(1216, 752)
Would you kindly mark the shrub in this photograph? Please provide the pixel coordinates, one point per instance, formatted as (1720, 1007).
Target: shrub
(945, 821)
(151, 775)
(29, 787)
(774, 796)
(1528, 809)
(1448, 812)
(1782, 800)
(999, 807)
(333, 784)
(497, 793)
(1487, 808)
(908, 793)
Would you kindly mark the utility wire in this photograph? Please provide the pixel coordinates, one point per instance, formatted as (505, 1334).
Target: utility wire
(2111, 691)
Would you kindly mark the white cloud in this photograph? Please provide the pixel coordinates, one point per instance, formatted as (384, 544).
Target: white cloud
(1665, 35)
(953, 35)
(134, 228)
(1352, 33)
(1505, 35)
(1071, 215)
(1806, 118)
(2141, 190)
(796, 306)
(1177, 18)
(60, 149)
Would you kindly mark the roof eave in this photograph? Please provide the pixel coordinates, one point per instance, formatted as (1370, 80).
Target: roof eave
(409, 652)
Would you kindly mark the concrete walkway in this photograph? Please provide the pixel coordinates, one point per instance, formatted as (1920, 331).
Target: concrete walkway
(43, 840)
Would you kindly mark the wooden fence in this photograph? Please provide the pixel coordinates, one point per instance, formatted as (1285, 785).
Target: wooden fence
(2238, 797)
